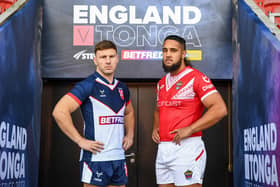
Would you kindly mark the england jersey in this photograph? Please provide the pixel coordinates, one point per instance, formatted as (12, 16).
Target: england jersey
(179, 100)
(103, 106)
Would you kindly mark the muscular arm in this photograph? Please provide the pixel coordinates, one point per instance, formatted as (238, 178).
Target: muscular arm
(62, 115)
(216, 110)
(129, 122)
(155, 135)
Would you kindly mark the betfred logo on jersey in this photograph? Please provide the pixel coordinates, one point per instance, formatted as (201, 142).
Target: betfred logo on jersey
(111, 120)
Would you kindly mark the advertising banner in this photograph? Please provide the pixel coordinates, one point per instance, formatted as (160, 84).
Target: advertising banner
(138, 28)
(20, 97)
(256, 104)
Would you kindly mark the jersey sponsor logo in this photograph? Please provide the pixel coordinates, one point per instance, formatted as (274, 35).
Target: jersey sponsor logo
(186, 92)
(206, 79)
(204, 88)
(169, 103)
(121, 93)
(111, 120)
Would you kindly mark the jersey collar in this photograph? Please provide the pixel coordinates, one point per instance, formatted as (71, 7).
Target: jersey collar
(102, 80)
(171, 80)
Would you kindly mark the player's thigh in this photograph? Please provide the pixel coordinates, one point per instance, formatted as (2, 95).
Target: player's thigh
(89, 185)
(166, 185)
(192, 185)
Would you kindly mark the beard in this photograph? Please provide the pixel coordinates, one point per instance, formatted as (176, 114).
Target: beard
(173, 67)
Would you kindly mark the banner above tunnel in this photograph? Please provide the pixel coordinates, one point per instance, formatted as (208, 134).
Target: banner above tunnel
(138, 28)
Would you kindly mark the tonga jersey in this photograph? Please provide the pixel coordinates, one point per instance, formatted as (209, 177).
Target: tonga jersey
(179, 100)
(103, 107)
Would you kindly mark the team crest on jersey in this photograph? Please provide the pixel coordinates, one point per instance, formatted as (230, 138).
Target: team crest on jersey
(178, 85)
(121, 93)
(186, 92)
(188, 174)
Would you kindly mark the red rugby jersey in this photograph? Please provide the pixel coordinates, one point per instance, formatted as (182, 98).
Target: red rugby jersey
(179, 100)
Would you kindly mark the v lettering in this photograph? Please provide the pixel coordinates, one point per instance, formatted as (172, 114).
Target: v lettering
(85, 35)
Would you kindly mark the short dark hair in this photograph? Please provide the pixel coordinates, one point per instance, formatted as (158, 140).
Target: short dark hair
(105, 44)
(179, 39)
(182, 41)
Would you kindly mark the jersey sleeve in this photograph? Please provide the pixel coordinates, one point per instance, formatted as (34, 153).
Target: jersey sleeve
(157, 91)
(126, 95)
(81, 91)
(203, 86)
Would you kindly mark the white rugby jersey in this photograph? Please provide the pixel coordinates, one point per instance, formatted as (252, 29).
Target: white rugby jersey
(103, 106)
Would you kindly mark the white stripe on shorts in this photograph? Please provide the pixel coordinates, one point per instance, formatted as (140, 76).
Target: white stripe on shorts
(86, 173)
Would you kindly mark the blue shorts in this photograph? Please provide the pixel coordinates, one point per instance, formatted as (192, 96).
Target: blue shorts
(103, 173)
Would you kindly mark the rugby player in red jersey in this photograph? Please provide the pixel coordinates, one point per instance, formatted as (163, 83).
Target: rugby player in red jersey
(182, 95)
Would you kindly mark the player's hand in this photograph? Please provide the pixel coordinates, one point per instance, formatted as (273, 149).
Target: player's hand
(90, 145)
(127, 142)
(181, 134)
(155, 136)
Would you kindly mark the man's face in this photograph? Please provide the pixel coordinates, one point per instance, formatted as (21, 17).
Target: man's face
(106, 61)
(173, 55)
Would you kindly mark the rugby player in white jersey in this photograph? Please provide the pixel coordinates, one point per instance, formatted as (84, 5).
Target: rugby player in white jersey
(108, 121)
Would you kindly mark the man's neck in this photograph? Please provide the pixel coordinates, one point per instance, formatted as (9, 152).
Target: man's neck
(109, 78)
